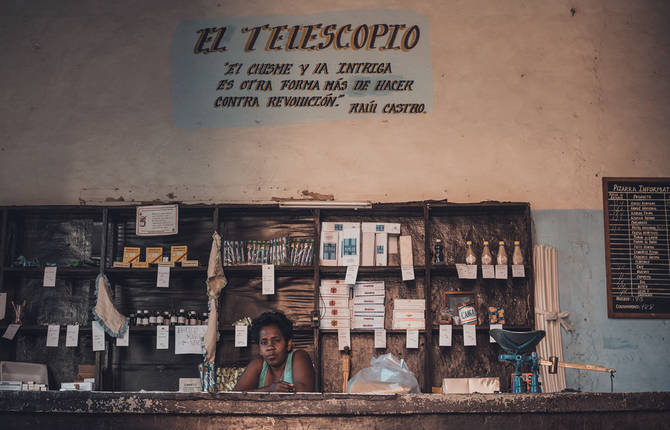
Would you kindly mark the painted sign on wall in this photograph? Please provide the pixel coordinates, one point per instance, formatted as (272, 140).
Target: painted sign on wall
(266, 70)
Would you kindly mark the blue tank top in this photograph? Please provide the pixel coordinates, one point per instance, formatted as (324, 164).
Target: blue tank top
(288, 371)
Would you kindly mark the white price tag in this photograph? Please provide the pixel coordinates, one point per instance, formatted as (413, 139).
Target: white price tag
(518, 271)
(488, 271)
(352, 274)
(163, 277)
(49, 276)
(380, 338)
(125, 339)
(467, 271)
(11, 331)
(72, 336)
(162, 337)
(189, 339)
(412, 339)
(3, 305)
(343, 338)
(241, 336)
(470, 335)
(407, 273)
(53, 332)
(445, 334)
(268, 279)
(98, 336)
(501, 271)
(492, 326)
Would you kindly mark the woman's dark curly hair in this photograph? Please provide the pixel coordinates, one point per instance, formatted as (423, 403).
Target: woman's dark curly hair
(272, 318)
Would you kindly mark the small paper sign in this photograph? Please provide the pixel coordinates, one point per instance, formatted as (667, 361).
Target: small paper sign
(189, 339)
(407, 273)
(72, 336)
(491, 327)
(162, 337)
(98, 336)
(53, 332)
(380, 338)
(268, 279)
(125, 339)
(412, 339)
(352, 274)
(157, 220)
(3, 305)
(445, 334)
(241, 336)
(470, 335)
(501, 271)
(49, 276)
(466, 271)
(518, 271)
(343, 338)
(163, 277)
(488, 271)
(11, 331)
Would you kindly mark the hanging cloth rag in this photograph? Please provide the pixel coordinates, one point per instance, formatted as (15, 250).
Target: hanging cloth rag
(114, 323)
(561, 317)
(216, 281)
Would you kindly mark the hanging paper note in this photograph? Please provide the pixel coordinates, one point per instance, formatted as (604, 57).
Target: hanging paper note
(268, 279)
(98, 336)
(470, 335)
(466, 271)
(157, 220)
(491, 327)
(518, 271)
(412, 339)
(407, 273)
(53, 332)
(189, 339)
(352, 274)
(241, 336)
(488, 271)
(162, 337)
(123, 340)
(501, 271)
(380, 338)
(49, 276)
(163, 277)
(72, 336)
(3, 305)
(445, 334)
(343, 338)
(11, 331)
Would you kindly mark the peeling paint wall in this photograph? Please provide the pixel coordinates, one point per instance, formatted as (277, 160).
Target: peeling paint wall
(532, 103)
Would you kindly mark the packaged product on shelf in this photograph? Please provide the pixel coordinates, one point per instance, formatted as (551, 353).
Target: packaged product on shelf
(406, 258)
(154, 255)
(438, 254)
(328, 248)
(131, 254)
(392, 251)
(469, 254)
(178, 253)
(368, 305)
(409, 314)
(381, 255)
(368, 250)
(467, 314)
(517, 256)
(350, 247)
(487, 259)
(501, 258)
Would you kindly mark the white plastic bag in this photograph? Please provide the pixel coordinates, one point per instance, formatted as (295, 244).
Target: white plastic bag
(386, 375)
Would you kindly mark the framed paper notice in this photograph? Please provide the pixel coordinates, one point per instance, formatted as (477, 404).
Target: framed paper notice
(157, 220)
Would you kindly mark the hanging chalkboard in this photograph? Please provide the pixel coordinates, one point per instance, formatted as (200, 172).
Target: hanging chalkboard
(637, 246)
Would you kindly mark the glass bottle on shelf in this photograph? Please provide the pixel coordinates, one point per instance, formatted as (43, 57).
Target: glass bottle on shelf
(174, 319)
(138, 317)
(203, 318)
(501, 258)
(166, 318)
(438, 256)
(517, 256)
(193, 318)
(486, 254)
(181, 317)
(152, 318)
(159, 318)
(145, 317)
(470, 257)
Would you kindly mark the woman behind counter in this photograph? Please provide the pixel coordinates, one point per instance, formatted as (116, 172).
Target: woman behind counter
(278, 368)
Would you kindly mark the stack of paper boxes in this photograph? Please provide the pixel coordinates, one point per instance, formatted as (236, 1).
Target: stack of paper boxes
(334, 304)
(359, 244)
(409, 314)
(368, 305)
